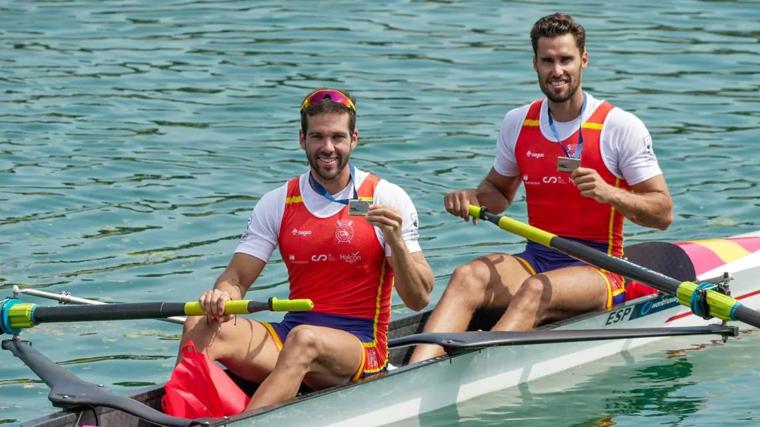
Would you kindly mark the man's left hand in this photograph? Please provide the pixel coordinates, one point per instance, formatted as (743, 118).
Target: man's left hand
(388, 220)
(591, 185)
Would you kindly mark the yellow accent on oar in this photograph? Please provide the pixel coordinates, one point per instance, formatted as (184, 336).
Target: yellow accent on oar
(193, 308)
(291, 304)
(520, 228)
(474, 211)
(528, 231)
(721, 306)
(725, 249)
(20, 315)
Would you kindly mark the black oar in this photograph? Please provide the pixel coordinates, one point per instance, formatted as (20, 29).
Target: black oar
(465, 340)
(689, 294)
(15, 315)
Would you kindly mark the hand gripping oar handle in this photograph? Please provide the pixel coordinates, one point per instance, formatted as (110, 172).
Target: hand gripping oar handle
(15, 315)
(721, 306)
(193, 308)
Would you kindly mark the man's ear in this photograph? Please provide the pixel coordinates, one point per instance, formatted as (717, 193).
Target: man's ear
(354, 139)
(584, 59)
(301, 139)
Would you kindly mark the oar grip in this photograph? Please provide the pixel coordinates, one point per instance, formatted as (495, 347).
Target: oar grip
(193, 308)
(290, 304)
(513, 226)
(475, 211)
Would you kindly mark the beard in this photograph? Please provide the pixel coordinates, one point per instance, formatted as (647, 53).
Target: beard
(572, 88)
(327, 174)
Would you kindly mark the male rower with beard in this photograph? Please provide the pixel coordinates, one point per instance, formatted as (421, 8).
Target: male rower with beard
(347, 265)
(586, 166)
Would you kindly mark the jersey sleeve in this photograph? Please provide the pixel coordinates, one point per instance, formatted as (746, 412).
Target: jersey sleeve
(627, 148)
(261, 235)
(505, 163)
(394, 196)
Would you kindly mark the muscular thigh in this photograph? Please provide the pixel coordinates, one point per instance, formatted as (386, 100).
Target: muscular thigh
(245, 347)
(574, 290)
(340, 356)
(503, 274)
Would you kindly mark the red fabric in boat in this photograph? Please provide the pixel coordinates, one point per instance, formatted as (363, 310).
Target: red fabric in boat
(635, 290)
(199, 388)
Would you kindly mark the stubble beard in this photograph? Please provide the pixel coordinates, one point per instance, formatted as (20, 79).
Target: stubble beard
(573, 85)
(327, 175)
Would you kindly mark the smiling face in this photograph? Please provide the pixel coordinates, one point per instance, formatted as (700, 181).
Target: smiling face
(328, 143)
(559, 64)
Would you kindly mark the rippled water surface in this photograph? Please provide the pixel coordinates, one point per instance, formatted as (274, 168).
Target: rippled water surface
(138, 135)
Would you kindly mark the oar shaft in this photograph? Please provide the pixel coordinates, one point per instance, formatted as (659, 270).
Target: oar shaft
(66, 298)
(15, 315)
(720, 305)
(151, 310)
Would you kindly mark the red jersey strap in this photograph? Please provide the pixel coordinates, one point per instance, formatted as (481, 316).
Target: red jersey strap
(596, 121)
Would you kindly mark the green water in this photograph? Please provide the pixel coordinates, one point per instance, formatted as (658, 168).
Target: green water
(137, 136)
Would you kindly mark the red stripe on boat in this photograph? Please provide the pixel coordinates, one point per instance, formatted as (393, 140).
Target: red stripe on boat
(752, 244)
(688, 313)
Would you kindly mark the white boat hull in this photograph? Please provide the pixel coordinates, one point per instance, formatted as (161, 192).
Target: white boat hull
(412, 390)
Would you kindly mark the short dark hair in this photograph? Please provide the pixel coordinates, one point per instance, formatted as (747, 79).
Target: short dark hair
(555, 25)
(328, 106)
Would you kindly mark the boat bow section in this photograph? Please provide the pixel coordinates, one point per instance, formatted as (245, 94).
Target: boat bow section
(69, 392)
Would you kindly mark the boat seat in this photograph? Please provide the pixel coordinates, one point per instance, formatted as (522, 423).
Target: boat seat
(666, 258)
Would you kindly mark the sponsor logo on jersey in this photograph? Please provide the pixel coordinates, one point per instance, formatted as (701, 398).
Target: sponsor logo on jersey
(351, 258)
(302, 233)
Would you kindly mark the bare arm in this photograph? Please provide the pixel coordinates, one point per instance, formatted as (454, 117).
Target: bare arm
(647, 204)
(232, 284)
(413, 276)
(496, 192)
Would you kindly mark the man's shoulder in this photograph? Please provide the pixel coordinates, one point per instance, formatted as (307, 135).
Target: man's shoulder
(384, 186)
(274, 196)
(519, 113)
(623, 120)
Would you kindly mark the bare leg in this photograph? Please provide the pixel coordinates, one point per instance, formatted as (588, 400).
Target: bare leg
(242, 345)
(554, 295)
(489, 281)
(324, 356)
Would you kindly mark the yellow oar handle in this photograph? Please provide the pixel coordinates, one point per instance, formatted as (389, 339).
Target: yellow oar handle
(513, 226)
(193, 308)
(290, 304)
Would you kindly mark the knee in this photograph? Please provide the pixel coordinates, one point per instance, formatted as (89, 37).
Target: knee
(303, 341)
(468, 280)
(191, 323)
(533, 288)
(206, 333)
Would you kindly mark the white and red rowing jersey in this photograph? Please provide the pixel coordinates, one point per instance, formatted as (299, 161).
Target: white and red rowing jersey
(615, 143)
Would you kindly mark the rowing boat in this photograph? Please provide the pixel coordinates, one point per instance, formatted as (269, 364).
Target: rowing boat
(476, 364)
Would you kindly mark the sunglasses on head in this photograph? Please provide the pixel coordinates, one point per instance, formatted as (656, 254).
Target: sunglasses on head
(333, 94)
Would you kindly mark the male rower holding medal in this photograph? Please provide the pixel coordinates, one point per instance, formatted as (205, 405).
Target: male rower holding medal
(347, 239)
(586, 166)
